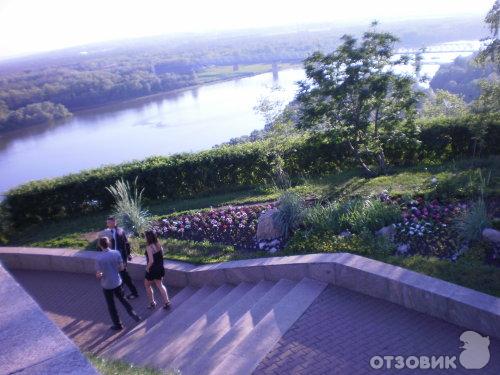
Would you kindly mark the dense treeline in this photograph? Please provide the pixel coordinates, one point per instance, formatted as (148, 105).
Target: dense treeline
(90, 76)
(53, 93)
(188, 175)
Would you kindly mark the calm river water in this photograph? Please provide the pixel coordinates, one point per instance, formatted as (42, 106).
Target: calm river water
(190, 120)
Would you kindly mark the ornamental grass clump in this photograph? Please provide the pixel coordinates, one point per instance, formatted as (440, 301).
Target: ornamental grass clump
(368, 215)
(128, 207)
(355, 216)
(469, 226)
(291, 212)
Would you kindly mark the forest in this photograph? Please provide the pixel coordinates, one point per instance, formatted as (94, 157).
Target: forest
(52, 86)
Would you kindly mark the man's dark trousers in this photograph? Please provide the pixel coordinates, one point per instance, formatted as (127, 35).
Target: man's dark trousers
(118, 293)
(127, 280)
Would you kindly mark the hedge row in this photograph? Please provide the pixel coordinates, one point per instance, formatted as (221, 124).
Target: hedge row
(188, 175)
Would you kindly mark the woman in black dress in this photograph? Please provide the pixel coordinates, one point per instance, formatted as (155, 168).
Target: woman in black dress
(154, 270)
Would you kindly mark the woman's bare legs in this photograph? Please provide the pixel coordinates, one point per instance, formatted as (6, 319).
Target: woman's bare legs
(149, 291)
(163, 290)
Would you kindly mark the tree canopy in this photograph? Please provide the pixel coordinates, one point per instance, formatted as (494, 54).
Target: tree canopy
(356, 92)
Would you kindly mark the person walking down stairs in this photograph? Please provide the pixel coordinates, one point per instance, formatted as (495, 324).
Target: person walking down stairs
(154, 270)
(118, 241)
(108, 267)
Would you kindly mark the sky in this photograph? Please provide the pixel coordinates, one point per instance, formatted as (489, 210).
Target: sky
(28, 26)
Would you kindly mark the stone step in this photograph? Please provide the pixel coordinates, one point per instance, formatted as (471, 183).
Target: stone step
(160, 314)
(202, 364)
(198, 345)
(130, 342)
(145, 351)
(144, 327)
(253, 348)
(177, 341)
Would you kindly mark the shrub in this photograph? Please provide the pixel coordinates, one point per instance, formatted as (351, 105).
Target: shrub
(361, 215)
(128, 207)
(5, 224)
(355, 215)
(324, 218)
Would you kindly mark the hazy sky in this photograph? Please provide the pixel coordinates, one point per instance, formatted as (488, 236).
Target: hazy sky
(39, 25)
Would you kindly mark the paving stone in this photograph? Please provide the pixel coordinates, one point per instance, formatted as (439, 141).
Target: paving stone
(342, 330)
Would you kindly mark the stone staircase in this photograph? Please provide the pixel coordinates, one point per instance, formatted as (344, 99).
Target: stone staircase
(227, 329)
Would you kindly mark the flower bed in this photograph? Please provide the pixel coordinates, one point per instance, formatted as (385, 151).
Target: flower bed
(427, 228)
(235, 226)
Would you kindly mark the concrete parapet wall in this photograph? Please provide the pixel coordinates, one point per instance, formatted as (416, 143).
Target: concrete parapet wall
(452, 303)
(30, 342)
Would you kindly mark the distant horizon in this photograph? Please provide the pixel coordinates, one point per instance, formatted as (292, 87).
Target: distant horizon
(282, 30)
(52, 25)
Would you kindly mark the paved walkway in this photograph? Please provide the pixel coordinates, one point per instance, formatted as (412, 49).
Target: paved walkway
(342, 330)
(75, 302)
(338, 334)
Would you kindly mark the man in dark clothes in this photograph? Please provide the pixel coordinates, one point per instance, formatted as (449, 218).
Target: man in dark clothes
(108, 265)
(119, 242)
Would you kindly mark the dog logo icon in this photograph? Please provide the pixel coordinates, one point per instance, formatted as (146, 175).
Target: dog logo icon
(476, 353)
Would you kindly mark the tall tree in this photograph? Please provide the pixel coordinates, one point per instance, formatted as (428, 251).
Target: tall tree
(492, 51)
(356, 92)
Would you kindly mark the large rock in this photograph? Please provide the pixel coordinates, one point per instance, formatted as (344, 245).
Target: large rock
(492, 235)
(388, 232)
(267, 229)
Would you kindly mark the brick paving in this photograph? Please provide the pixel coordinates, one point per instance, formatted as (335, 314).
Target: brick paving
(342, 330)
(75, 302)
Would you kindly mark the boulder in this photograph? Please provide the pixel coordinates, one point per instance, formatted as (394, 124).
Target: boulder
(403, 249)
(388, 232)
(492, 235)
(345, 234)
(267, 229)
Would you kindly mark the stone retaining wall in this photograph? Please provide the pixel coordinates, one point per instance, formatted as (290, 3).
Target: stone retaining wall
(30, 342)
(452, 303)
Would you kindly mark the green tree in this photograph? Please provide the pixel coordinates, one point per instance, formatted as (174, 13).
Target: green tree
(444, 103)
(492, 51)
(489, 100)
(356, 92)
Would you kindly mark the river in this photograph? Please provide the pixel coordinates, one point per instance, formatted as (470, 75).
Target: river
(190, 120)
